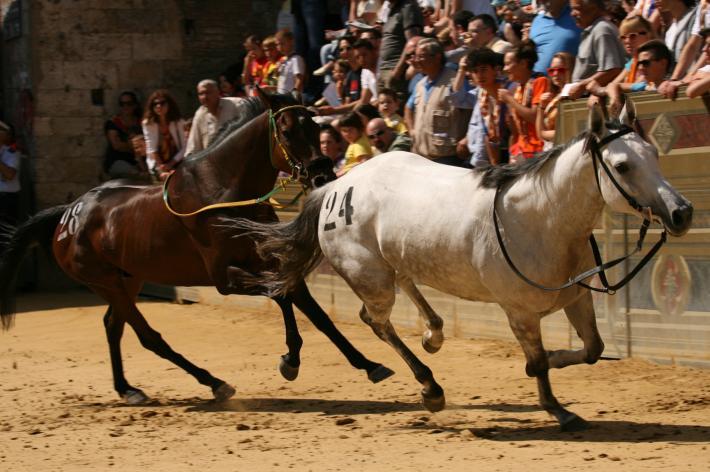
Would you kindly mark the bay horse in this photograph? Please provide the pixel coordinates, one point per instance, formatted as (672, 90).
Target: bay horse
(400, 219)
(120, 234)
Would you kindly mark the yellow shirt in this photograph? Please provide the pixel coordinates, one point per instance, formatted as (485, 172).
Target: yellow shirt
(397, 124)
(356, 153)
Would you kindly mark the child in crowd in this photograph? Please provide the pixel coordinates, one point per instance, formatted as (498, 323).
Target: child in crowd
(388, 105)
(560, 73)
(359, 150)
(270, 77)
(292, 70)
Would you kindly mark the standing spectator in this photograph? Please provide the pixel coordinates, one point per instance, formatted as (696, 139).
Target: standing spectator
(523, 104)
(331, 146)
(482, 33)
(680, 34)
(254, 64)
(309, 36)
(435, 124)
(388, 105)
(292, 70)
(359, 150)
(601, 54)
(270, 79)
(560, 72)
(214, 111)
(120, 160)
(554, 30)
(163, 131)
(9, 176)
(404, 22)
(477, 7)
(682, 13)
(384, 139)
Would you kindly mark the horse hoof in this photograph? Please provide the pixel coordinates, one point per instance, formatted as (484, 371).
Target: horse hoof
(434, 404)
(379, 373)
(574, 424)
(135, 397)
(432, 342)
(288, 371)
(223, 392)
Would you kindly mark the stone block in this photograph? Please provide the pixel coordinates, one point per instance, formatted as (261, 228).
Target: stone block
(145, 74)
(42, 126)
(156, 47)
(50, 75)
(90, 75)
(73, 102)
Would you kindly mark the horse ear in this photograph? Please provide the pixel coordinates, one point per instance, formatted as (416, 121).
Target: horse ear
(596, 121)
(263, 96)
(628, 113)
(297, 95)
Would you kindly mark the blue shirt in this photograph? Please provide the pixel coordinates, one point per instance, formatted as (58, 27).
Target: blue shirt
(553, 35)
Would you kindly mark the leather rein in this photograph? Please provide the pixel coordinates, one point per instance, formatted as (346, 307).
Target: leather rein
(297, 172)
(595, 149)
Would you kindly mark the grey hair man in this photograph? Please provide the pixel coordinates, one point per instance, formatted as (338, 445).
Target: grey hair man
(384, 139)
(214, 111)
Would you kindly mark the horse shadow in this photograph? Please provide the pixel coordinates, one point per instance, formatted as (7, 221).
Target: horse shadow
(306, 405)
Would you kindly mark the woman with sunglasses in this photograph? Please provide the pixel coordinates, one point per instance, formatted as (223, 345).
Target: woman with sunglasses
(560, 72)
(120, 160)
(164, 136)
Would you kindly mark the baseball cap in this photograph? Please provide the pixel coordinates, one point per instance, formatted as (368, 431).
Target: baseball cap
(524, 3)
(498, 3)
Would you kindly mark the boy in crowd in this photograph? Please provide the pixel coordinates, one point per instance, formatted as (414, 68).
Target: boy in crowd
(387, 105)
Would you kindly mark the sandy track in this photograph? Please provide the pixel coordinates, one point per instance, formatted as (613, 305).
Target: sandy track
(59, 411)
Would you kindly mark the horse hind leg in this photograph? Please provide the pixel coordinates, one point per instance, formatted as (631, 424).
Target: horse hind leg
(114, 325)
(433, 337)
(526, 328)
(581, 315)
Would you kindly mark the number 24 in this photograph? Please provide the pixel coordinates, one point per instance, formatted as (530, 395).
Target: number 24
(345, 210)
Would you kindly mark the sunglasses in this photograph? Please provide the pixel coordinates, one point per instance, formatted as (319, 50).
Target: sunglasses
(376, 135)
(556, 70)
(632, 36)
(127, 104)
(159, 102)
(645, 62)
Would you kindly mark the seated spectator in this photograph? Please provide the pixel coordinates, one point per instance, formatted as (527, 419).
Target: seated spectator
(270, 79)
(560, 72)
(292, 69)
(331, 146)
(214, 111)
(633, 32)
(120, 160)
(601, 54)
(254, 64)
(230, 84)
(523, 104)
(383, 138)
(358, 150)
(163, 131)
(335, 93)
(367, 112)
(435, 124)
(699, 81)
(9, 176)
(388, 105)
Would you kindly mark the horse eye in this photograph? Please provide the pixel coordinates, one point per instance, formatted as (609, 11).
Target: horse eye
(621, 167)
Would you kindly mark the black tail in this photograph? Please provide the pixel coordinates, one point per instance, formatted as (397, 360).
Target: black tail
(16, 242)
(293, 244)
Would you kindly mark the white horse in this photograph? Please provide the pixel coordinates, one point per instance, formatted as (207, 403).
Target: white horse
(402, 219)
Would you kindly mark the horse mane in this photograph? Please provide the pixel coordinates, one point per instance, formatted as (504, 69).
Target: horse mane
(249, 108)
(495, 176)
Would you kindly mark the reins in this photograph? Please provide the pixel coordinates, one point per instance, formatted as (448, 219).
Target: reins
(297, 171)
(595, 149)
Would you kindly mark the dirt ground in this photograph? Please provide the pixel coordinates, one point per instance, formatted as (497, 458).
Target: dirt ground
(59, 411)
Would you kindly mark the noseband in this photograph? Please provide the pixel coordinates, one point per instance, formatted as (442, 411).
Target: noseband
(595, 148)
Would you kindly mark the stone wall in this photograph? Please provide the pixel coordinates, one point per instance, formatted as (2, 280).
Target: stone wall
(74, 57)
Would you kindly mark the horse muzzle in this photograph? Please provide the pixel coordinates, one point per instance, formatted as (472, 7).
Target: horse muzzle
(677, 217)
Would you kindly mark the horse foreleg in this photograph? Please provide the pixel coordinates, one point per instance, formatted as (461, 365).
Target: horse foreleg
(526, 328)
(305, 302)
(432, 393)
(433, 337)
(114, 331)
(291, 361)
(581, 315)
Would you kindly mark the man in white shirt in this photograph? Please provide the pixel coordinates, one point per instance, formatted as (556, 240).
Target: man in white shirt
(209, 118)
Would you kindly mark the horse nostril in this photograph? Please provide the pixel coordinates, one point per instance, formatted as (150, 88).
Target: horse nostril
(681, 216)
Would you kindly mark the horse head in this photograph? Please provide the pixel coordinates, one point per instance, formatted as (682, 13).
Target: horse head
(629, 174)
(296, 147)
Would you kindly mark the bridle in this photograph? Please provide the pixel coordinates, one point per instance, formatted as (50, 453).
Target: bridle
(298, 172)
(595, 148)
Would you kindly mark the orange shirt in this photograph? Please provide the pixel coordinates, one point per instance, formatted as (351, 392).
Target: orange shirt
(527, 141)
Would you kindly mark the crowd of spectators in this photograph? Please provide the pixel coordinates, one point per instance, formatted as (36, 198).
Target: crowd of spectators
(462, 82)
